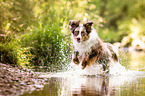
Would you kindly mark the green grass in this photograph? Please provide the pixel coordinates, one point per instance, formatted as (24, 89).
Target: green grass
(8, 54)
(47, 46)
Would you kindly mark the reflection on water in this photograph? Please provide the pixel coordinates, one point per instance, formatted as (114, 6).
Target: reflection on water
(93, 86)
(131, 83)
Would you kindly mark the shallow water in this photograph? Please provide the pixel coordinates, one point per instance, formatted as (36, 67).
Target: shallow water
(126, 80)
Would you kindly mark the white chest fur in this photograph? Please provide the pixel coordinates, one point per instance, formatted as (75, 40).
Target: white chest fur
(85, 46)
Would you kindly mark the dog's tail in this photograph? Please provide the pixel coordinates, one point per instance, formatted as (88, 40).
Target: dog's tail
(113, 51)
(115, 56)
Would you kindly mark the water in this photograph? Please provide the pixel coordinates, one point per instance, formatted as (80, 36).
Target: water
(126, 80)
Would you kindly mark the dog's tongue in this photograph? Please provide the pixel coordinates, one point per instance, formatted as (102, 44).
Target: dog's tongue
(78, 41)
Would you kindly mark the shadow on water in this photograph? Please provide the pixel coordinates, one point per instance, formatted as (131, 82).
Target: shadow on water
(131, 83)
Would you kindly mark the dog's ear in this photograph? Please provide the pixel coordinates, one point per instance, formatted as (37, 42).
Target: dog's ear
(73, 24)
(88, 26)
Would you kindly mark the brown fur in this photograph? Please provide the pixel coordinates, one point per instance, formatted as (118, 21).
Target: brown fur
(75, 57)
(101, 53)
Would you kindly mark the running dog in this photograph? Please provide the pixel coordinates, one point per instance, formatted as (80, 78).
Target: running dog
(89, 48)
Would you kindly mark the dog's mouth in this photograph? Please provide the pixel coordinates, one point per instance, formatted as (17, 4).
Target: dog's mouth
(78, 40)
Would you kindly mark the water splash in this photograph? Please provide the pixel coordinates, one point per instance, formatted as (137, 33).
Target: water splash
(73, 81)
(116, 69)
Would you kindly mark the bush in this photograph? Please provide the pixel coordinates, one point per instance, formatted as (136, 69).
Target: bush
(8, 54)
(47, 46)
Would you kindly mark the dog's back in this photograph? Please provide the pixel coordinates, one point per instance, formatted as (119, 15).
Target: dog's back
(113, 51)
(89, 47)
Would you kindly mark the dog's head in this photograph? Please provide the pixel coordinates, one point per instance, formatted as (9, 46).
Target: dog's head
(80, 32)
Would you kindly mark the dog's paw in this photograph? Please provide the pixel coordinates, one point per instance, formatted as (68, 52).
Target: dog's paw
(76, 61)
(84, 64)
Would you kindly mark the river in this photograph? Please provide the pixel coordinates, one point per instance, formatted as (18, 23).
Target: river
(128, 80)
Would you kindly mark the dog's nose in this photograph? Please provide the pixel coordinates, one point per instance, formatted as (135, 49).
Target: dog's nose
(78, 39)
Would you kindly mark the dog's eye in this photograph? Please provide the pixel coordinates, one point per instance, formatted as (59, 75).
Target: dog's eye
(83, 33)
(76, 33)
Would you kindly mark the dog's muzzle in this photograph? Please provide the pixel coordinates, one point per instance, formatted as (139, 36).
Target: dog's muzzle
(78, 40)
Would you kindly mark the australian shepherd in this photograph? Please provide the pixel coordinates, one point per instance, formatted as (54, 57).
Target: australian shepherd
(89, 48)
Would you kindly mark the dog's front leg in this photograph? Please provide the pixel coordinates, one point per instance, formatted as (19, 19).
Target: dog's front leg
(85, 62)
(75, 57)
(90, 59)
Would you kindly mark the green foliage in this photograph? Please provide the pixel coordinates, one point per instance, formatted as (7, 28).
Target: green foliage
(117, 17)
(35, 32)
(16, 16)
(8, 54)
(105, 34)
(47, 46)
(12, 53)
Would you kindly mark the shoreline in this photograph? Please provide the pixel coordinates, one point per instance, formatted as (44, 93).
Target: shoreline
(15, 81)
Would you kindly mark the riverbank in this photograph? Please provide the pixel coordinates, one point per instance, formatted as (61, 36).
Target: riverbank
(15, 81)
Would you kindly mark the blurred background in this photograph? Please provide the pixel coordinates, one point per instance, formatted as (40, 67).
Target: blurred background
(36, 32)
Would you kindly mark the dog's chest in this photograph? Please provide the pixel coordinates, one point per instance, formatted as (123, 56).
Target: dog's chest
(84, 47)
